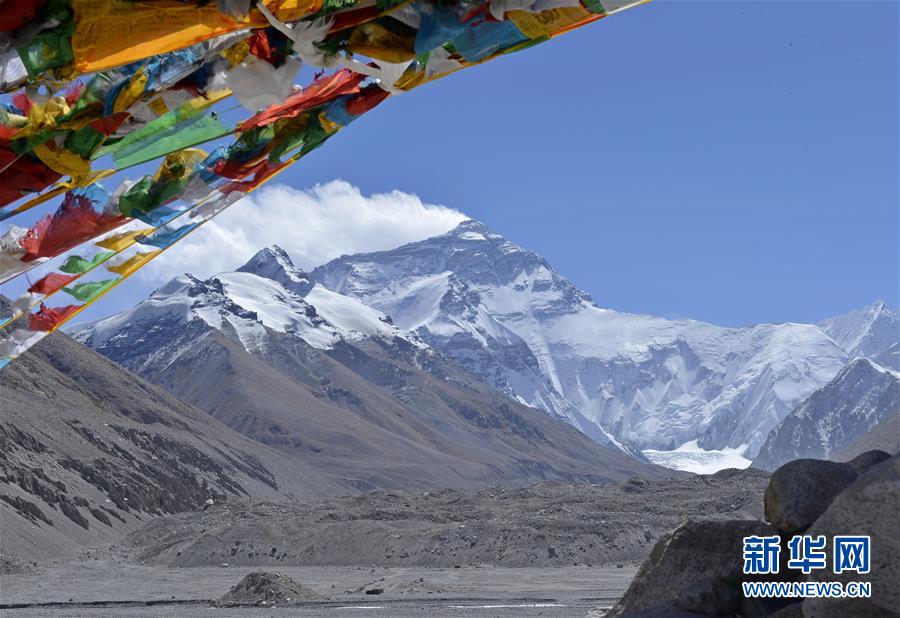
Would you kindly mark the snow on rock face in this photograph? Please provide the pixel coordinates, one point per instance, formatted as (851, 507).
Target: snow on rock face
(263, 294)
(505, 314)
(241, 305)
(831, 419)
(889, 358)
(353, 319)
(275, 264)
(865, 332)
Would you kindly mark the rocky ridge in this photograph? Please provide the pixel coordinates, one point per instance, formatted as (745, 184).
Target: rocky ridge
(861, 396)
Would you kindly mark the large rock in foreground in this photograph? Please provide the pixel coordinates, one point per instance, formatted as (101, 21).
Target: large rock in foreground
(269, 589)
(698, 566)
(694, 568)
(862, 462)
(800, 491)
(871, 506)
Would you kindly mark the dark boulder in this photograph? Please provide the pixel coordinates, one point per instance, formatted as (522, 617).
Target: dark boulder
(869, 507)
(695, 568)
(800, 491)
(864, 461)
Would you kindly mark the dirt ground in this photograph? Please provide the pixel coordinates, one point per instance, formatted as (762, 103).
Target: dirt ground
(546, 525)
(117, 588)
(552, 549)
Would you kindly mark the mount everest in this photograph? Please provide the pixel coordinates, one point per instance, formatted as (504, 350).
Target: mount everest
(504, 313)
(633, 381)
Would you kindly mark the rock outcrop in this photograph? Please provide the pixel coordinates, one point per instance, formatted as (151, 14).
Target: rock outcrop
(869, 459)
(692, 568)
(800, 491)
(697, 568)
(870, 506)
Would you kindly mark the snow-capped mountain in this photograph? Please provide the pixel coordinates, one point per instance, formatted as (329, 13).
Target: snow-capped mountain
(865, 332)
(835, 416)
(681, 390)
(263, 295)
(889, 358)
(506, 315)
(332, 382)
(275, 264)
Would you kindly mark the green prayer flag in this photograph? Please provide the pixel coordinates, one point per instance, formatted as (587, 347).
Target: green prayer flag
(84, 141)
(137, 197)
(594, 6)
(76, 265)
(170, 132)
(50, 49)
(148, 194)
(86, 292)
(330, 6)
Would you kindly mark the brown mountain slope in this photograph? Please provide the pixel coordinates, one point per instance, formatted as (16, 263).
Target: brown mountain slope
(383, 414)
(88, 451)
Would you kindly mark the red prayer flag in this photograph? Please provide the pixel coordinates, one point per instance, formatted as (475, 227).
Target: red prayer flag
(368, 98)
(320, 91)
(48, 318)
(259, 46)
(262, 172)
(51, 283)
(24, 12)
(74, 222)
(25, 174)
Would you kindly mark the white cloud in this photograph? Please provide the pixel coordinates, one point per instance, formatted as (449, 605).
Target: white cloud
(313, 226)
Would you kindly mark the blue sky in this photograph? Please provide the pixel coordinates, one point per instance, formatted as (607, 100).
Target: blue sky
(732, 162)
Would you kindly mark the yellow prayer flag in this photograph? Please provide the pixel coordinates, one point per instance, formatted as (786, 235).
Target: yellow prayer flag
(179, 164)
(64, 162)
(113, 33)
(118, 242)
(131, 93)
(548, 23)
(133, 263)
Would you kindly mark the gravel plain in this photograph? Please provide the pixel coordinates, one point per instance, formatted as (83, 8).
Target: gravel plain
(117, 588)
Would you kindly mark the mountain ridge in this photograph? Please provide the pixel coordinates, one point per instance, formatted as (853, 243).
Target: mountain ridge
(628, 381)
(642, 380)
(336, 384)
(864, 332)
(834, 417)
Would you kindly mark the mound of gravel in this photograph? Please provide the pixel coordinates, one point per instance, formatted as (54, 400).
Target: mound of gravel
(269, 589)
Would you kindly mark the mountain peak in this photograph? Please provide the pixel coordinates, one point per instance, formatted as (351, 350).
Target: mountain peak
(268, 255)
(274, 263)
(471, 225)
(879, 306)
(834, 416)
(472, 230)
(865, 332)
